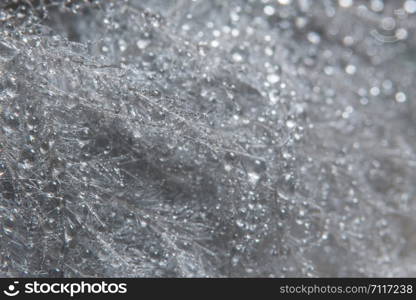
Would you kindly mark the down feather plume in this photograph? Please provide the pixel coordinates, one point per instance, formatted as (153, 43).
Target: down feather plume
(195, 138)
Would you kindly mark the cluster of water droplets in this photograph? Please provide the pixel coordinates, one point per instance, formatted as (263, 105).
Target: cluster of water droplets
(207, 138)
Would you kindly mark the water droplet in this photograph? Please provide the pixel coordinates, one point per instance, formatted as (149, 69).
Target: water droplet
(269, 10)
(345, 3)
(215, 43)
(122, 45)
(377, 5)
(410, 6)
(253, 177)
(240, 223)
(375, 91)
(348, 40)
(284, 2)
(273, 78)
(290, 124)
(142, 44)
(350, 69)
(314, 37)
(401, 34)
(400, 97)
(237, 57)
(274, 96)
(235, 260)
